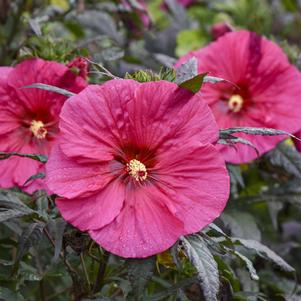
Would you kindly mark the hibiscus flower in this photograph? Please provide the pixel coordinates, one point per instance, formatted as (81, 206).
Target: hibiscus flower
(135, 165)
(267, 89)
(79, 66)
(29, 117)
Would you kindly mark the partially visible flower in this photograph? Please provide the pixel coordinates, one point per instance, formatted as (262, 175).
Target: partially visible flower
(140, 10)
(267, 89)
(29, 116)
(144, 171)
(79, 66)
(219, 29)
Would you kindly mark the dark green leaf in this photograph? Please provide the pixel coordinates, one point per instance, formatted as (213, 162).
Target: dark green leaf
(287, 158)
(231, 140)
(28, 275)
(10, 213)
(274, 209)
(112, 54)
(139, 272)
(241, 224)
(173, 289)
(174, 251)
(217, 229)
(9, 199)
(249, 265)
(41, 158)
(60, 226)
(202, 259)
(254, 131)
(8, 295)
(30, 237)
(101, 22)
(213, 79)
(264, 252)
(166, 60)
(41, 201)
(51, 89)
(39, 175)
(194, 84)
(187, 71)
(35, 26)
(235, 174)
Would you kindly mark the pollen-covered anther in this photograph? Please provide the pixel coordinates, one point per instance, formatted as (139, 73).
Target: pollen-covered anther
(235, 103)
(137, 170)
(38, 129)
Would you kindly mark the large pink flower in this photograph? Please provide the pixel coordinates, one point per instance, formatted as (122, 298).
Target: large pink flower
(268, 92)
(29, 117)
(135, 165)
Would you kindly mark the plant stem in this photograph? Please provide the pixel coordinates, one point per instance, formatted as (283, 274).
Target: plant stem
(42, 290)
(85, 271)
(66, 262)
(77, 289)
(101, 272)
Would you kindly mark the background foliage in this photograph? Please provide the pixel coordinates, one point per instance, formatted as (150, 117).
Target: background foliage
(43, 258)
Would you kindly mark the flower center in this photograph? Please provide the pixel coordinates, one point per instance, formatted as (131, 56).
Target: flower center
(137, 170)
(38, 129)
(235, 103)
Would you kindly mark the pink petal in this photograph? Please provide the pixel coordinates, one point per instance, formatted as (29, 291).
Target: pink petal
(95, 211)
(240, 153)
(7, 117)
(144, 226)
(261, 68)
(4, 72)
(47, 72)
(69, 179)
(188, 190)
(16, 171)
(195, 181)
(124, 110)
(97, 115)
(161, 111)
(8, 168)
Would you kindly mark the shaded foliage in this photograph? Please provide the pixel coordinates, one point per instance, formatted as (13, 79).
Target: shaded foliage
(252, 252)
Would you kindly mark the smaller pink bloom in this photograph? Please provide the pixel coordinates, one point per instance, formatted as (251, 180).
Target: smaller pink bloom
(136, 167)
(267, 89)
(219, 29)
(79, 66)
(29, 116)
